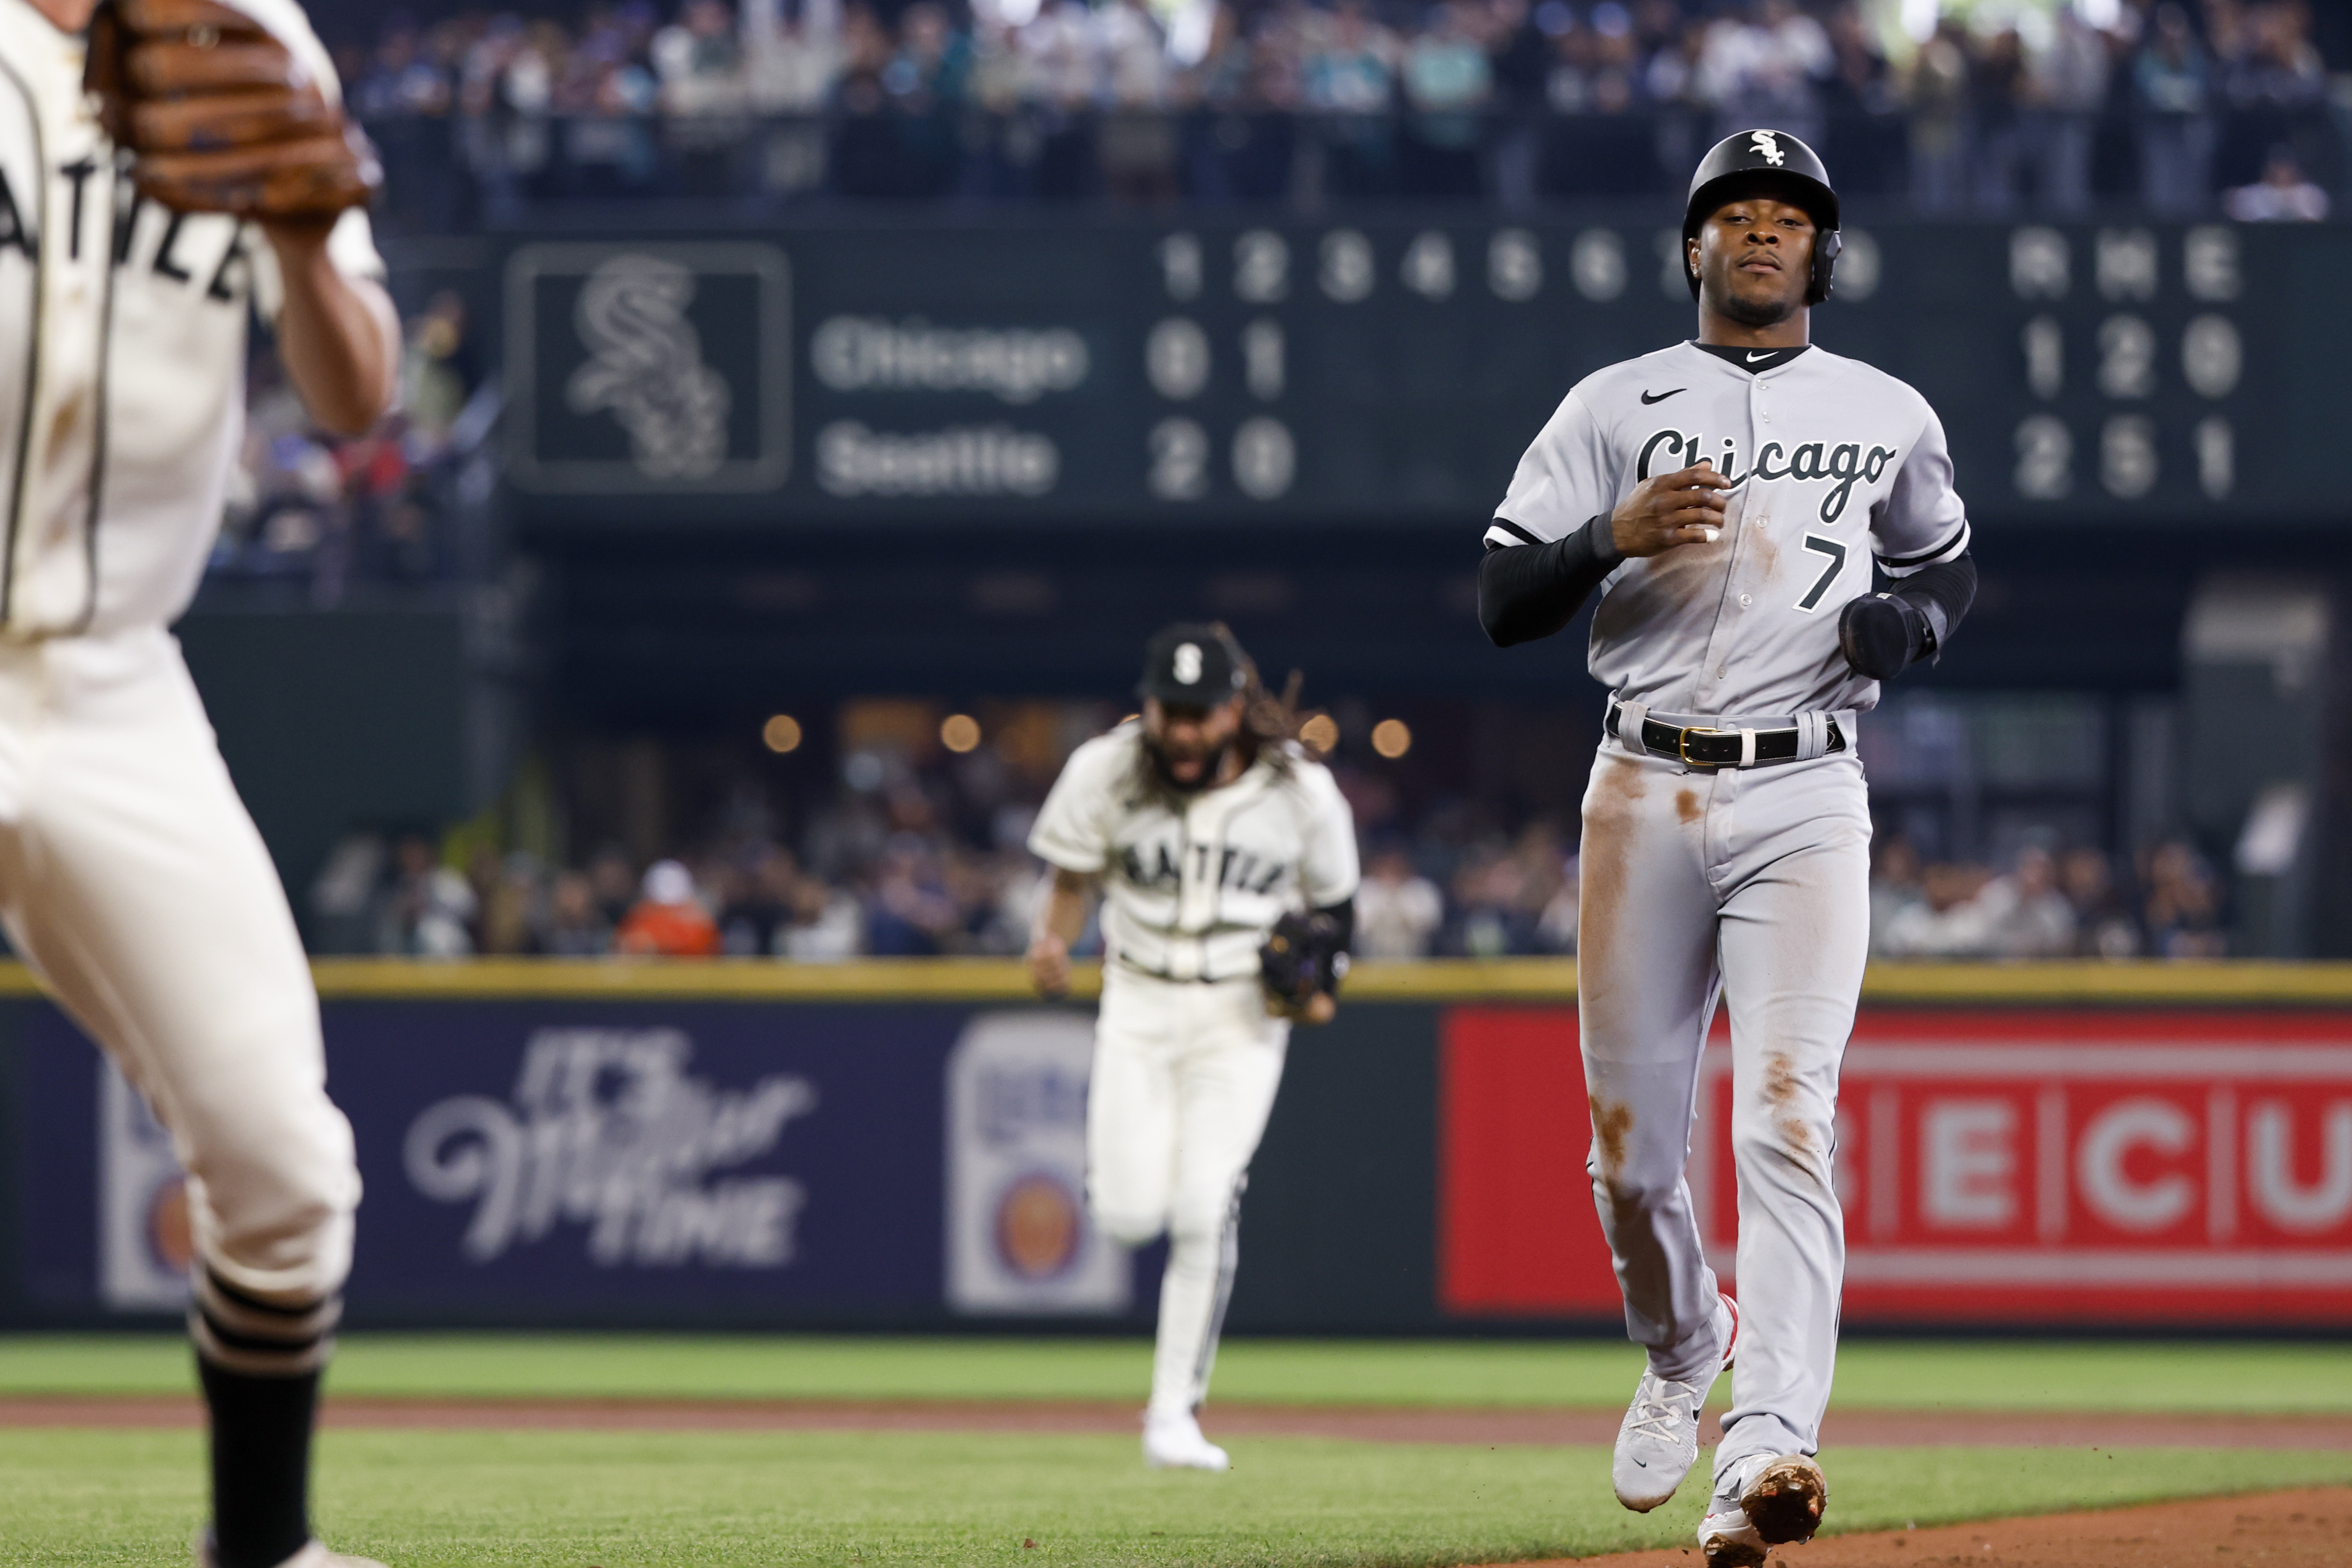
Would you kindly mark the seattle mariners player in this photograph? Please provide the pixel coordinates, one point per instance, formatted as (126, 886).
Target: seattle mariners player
(1732, 499)
(1202, 825)
(130, 879)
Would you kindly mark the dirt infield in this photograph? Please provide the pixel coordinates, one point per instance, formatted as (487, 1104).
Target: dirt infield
(2306, 1529)
(1380, 1424)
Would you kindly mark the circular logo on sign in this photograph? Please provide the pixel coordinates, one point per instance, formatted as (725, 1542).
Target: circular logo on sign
(171, 1236)
(1038, 1224)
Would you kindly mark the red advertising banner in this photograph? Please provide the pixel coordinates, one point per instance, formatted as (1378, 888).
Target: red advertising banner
(1995, 1167)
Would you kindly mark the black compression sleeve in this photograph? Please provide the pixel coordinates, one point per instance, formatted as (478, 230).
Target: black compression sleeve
(1343, 914)
(1942, 593)
(1530, 591)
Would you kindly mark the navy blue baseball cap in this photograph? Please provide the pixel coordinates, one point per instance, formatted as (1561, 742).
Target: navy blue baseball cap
(1192, 664)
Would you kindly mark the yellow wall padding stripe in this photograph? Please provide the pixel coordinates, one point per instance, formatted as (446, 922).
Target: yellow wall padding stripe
(1533, 980)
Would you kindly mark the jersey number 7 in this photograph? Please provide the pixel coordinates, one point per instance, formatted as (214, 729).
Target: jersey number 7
(1836, 552)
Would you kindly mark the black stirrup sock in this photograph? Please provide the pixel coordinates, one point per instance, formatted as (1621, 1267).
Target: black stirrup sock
(260, 1363)
(261, 1464)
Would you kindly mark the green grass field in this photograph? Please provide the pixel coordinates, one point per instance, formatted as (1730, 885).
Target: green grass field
(623, 1499)
(569, 1499)
(2312, 1379)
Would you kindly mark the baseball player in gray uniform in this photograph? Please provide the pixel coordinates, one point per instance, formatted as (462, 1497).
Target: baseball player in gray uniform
(1735, 499)
(1209, 834)
(132, 880)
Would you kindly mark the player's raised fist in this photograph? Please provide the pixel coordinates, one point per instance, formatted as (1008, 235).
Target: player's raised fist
(1664, 510)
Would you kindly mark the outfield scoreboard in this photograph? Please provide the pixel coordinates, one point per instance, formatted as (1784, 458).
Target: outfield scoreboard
(1389, 372)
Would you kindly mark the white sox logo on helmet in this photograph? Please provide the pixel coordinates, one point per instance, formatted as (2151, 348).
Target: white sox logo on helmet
(1769, 145)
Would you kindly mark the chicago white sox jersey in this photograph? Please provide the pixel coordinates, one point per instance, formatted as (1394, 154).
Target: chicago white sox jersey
(1191, 886)
(1837, 466)
(122, 334)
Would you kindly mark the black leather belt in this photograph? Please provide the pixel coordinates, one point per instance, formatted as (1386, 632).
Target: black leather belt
(1703, 748)
(1133, 968)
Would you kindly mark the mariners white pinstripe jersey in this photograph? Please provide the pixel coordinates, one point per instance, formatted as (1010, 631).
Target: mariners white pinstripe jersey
(1837, 466)
(122, 350)
(1191, 886)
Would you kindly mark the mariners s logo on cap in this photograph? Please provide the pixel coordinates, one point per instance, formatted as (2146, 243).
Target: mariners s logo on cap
(1769, 146)
(1188, 663)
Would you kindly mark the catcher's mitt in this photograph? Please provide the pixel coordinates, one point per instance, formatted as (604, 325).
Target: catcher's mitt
(220, 115)
(1302, 959)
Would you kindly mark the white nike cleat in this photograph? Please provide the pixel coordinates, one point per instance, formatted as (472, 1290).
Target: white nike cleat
(1761, 1502)
(1728, 1539)
(312, 1554)
(1658, 1443)
(1174, 1442)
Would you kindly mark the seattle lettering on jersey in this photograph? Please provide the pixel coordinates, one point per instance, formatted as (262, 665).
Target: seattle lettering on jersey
(220, 269)
(1158, 864)
(1844, 462)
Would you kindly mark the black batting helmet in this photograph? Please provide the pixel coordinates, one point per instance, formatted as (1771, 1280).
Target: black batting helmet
(1773, 163)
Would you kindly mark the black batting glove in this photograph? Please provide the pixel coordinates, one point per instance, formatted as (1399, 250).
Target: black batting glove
(1881, 634)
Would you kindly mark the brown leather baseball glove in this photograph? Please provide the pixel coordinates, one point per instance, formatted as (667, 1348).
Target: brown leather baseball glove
(221, 116)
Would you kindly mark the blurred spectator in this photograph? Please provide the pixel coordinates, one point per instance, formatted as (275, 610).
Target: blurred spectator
(576, 926)
(2069, 87)
(429, 910)
(615, 884)
(1936, 92)
(912, 914)
(1352, 67)
(668, 921)
(1398, 911)
(401, 79)
(1137, 143)
(1502, 895)
(1556, 928)
(1447, 79)
(1081, 100)
(2173, 81)
(2280, 195)
(759, 904)
(700, 61)
(2102, 927)
(1998, 90)
(826, 924)
(1765, 69)
(1946, 921)
(1519, 61)
(2275, 85)
(506, 900)
(2024, 913)
(1349, 72)
(1894, 884)
(2182, 911)
(918, 854)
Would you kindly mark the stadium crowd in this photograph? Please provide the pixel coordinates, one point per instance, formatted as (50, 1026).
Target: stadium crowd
(2047, 103)
(320, 513)
(930, 861)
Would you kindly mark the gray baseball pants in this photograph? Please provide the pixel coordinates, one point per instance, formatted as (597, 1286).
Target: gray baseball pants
(1750, 885)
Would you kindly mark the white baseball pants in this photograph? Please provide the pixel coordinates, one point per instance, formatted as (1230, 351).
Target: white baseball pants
(1752, 885)
(1184, 1077)
(134, 884)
